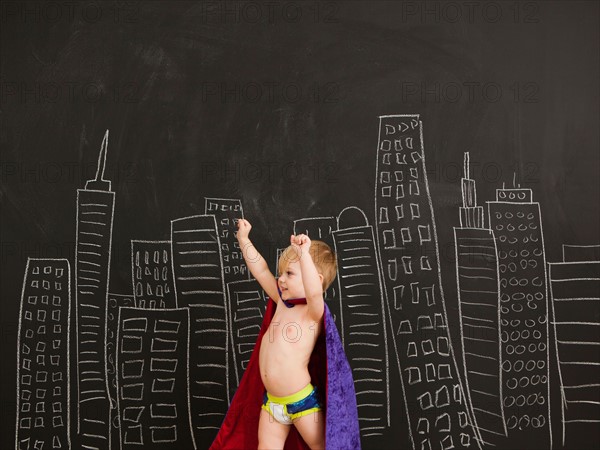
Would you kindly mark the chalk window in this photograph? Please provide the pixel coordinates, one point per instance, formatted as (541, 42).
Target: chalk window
(414, 375)
(439, 321)
(429, 294)
(424, 323)
(405, 235)
(423, 427)
(389, 239)
(457, 395)
(427, 347)
(444, 372)
(398, 293)
(425, 263)
(393, 270)
(442, 423)
(424, 233)
(414, 292)
(412, 349)
(442, 346)
(399, 212)
(407, 264)
(414, 187)
(399, 191)
(441, 397)
(430, 372)
(425, 401)
(383, 215)
(405, 327)
(414, 211)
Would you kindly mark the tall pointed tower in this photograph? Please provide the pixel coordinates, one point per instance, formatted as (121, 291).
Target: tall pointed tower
(95, 212)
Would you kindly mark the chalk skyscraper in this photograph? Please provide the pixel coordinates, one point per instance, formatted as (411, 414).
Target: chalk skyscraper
(516, 222)
(437, 412)
(95, 212)
(479, 309)
(43, 358)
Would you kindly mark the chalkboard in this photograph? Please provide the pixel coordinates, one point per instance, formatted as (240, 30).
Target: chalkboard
(447, 152)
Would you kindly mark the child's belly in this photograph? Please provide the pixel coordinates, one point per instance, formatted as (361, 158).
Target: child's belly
(284, 355)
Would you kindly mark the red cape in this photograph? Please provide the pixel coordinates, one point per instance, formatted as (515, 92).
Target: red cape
(239, 430)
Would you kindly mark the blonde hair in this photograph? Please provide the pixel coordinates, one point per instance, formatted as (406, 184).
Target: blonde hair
(324, 258)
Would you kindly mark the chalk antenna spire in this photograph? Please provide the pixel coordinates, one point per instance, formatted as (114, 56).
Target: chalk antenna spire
(102, 158)
(99, 183)
(466, 165)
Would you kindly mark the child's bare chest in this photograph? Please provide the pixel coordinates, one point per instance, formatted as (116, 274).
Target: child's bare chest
(292, 331)
(294, 326)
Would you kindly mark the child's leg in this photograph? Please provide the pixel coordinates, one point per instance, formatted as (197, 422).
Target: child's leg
(312, 429)
(271, 434)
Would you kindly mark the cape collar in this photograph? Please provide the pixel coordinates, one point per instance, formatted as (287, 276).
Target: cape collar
(292, 301)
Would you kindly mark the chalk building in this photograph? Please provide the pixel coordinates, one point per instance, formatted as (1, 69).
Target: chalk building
(197, 262)
(479, 306)
(246, 310)
(575, 293)
(199, 283)
(437, 412)
(321, 228)
(363, 321)
(43, 357)
(152, 274)
(152, 378)
(226, 211)
(516, 222)
(115, 301)
(95, 212)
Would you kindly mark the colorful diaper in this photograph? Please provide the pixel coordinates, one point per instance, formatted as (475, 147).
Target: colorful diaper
(286, 409)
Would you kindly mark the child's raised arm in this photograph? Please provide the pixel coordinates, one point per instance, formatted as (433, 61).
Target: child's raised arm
(256, 264)
(311, 278)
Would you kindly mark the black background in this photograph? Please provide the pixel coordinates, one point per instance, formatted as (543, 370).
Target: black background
(160, 76)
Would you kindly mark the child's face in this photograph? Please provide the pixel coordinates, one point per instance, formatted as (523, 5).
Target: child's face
(290, 282)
